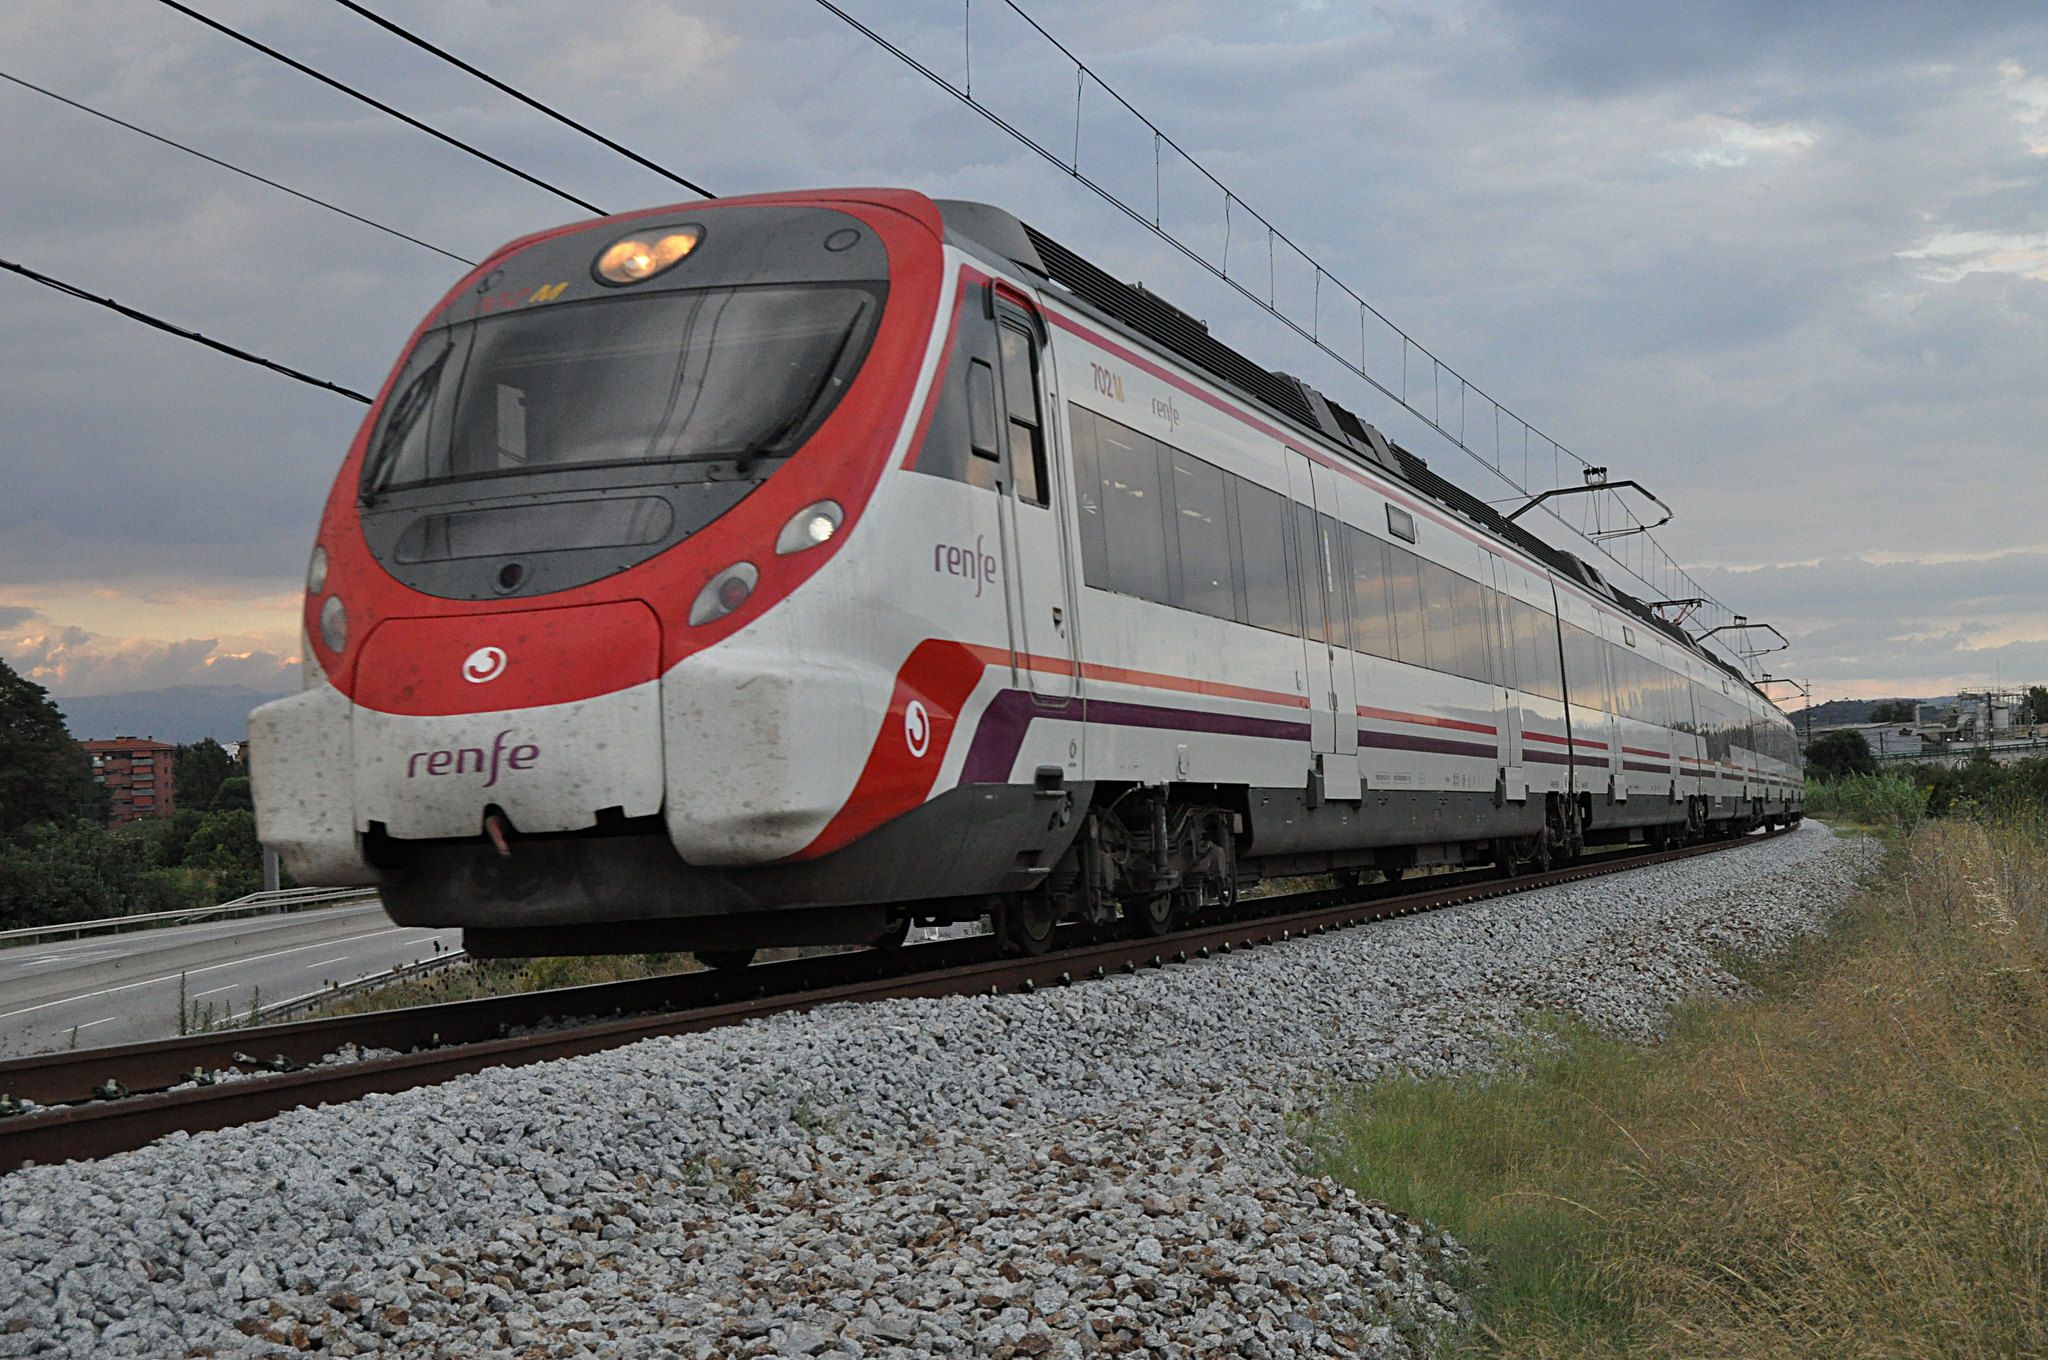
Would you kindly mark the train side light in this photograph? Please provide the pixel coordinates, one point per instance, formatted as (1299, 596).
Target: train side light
(334, 624)
(316, 571)
(636, 258)
(809, 527)
(724, 593)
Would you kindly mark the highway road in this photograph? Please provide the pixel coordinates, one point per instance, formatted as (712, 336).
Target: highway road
(114, 989)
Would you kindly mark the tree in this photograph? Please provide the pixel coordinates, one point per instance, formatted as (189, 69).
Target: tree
(200, 769)
(74, 871)
(45, 776)
(1892, 711)
(225, 848)
(233, 795)
(1838, 754)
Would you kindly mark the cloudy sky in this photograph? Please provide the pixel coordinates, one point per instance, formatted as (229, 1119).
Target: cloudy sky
(1785, 264)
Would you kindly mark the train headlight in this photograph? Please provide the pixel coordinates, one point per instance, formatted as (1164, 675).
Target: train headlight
(334, 624)
(724, 592)
(316, 571)
(636, 258)
(809, 527)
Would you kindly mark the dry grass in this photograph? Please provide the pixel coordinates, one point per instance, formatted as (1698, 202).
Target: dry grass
(1850, 1164)
(502, 977)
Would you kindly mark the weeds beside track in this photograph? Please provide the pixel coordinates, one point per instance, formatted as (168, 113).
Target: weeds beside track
(1849, 1163)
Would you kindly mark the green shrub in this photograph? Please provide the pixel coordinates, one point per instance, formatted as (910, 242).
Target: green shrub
(1890, 800)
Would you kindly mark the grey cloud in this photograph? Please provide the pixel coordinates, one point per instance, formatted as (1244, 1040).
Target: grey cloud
(71, 662)
(1603, 47)
(1508, 180)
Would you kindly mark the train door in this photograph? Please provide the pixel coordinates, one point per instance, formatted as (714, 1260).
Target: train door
(1326, 642)
(1037, 555)
(1514, 779)
(1611, 721)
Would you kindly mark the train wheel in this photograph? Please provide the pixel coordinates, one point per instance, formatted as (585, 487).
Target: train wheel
(894, 936)
(725, 960)
(1028, 922)
(1151, 915)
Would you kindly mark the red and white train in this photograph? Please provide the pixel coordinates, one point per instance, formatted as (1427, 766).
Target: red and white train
(781, 569)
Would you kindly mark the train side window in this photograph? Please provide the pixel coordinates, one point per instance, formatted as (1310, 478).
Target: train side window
(1310, 568)
(1372, 623)
(1134, 513)
(1536, 650)
(1262, 532)
(1204, 532)
(1440, 611)
(1404, 596)
(1020, 402)
(1628, 685)
(1585, 668)
(1472, 657)
(1088, 498)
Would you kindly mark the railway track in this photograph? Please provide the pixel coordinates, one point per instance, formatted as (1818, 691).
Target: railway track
(102, 1101)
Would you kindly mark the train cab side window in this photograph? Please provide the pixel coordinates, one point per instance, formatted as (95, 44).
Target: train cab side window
(1020, 404)
(981, 411)
(1262, 533)
(963, 443)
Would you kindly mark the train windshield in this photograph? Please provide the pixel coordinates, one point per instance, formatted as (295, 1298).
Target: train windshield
(717, 375)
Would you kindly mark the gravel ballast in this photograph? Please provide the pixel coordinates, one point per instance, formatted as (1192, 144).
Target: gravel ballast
(1101, 1169)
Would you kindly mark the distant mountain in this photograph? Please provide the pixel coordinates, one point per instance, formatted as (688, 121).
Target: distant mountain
(182, 713)
(1842, 712)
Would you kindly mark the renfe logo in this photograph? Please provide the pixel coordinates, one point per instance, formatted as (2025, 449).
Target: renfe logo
(974, 564)
(485, 663)
(472, 760)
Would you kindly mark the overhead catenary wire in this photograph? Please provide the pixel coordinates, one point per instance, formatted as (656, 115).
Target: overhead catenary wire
(379, 105)
(239, 170)
(1265, 299)
(417, 41)
(72, 290)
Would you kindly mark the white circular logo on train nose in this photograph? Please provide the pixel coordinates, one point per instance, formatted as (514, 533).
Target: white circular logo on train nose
(917, 728)
(483, 664)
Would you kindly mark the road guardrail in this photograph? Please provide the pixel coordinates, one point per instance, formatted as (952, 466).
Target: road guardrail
(255, 904)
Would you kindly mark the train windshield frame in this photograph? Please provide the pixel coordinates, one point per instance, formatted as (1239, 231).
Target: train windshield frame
(724, 375)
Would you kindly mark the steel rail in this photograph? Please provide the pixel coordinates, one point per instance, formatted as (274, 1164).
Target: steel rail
(470, 1035)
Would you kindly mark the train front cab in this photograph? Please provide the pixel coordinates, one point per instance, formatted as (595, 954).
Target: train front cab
(586, 637)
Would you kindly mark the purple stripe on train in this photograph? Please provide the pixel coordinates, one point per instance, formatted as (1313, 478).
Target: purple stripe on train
(1559, 758)
(1401, 741)
(1010, 714)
